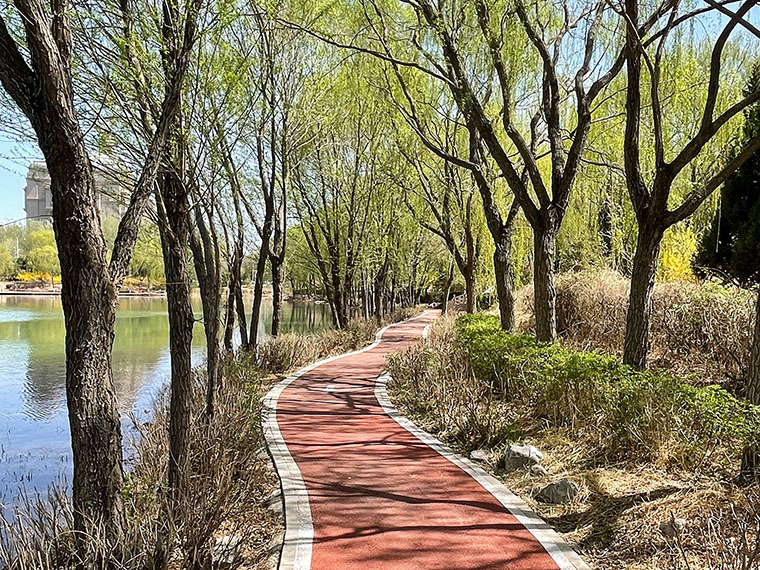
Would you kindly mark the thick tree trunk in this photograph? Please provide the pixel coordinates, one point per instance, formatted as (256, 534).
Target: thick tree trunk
(544, 240)
(42, 88)
(640, 299)
(175, 232)
(502, 266)
(341, 312)
(88, 297)
(750, 470)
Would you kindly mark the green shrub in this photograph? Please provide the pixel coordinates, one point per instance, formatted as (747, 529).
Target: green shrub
(626, 412)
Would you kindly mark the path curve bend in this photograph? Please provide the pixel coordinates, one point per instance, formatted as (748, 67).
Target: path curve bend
(365, 488)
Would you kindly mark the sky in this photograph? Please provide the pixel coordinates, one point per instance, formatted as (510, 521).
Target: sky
(14, 160)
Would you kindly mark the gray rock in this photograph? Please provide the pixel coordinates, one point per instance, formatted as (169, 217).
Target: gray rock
(479, 455)
(672, 527)
(558, 493)
(226, 549)
(538, 470)
(519, 456)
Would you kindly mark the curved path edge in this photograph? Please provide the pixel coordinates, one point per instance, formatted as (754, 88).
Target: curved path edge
(565, 557)
(299, 530)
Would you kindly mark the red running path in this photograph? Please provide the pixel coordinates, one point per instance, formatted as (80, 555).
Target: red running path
(362, 491)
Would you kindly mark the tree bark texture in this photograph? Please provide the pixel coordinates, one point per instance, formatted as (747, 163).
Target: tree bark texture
(175, 234)
(502, 265)
(545, 295)
(640, 300)
(750, 468)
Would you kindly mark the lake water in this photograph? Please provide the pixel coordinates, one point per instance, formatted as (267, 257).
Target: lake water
(34, 433)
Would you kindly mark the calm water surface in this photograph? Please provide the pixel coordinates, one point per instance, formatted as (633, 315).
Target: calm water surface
(34, 433)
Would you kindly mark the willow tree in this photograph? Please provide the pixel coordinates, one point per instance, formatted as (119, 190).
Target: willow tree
(443, 200)
(651, 194)
(333, 199)
(41, 85)
(478, 48)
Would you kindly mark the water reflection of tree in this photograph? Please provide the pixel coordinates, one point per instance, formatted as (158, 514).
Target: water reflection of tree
(306, 316)
(44, 389)
(141, 335)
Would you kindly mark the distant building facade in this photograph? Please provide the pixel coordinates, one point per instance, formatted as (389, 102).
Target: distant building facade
(38, 200)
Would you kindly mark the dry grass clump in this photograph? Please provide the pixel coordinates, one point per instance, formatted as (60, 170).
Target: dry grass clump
(293, 350)
(697, 329)
(615, 521)
(228, 483)
(648, 463)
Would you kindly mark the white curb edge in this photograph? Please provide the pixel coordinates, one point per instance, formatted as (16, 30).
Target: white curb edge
(299, 530)
(565, 557)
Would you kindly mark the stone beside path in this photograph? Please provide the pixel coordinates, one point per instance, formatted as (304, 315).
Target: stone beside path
(364, 488)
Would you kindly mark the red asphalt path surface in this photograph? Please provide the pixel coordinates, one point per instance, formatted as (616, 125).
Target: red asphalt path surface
(379, 496)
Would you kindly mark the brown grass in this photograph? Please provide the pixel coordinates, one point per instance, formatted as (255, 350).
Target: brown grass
(702, 331)
(228, 487)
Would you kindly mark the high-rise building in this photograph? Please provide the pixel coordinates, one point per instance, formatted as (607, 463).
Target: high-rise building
(38, 200)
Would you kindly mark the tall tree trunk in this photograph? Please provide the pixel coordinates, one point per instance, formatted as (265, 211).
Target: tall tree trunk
(447, 289)
(640, 300)
(277, 255)
(502, 265)
(175, 233)
(365, 296)
(205, 250)
(469, 286)
(333, 311)
(379, 287)
(229, 320)
(544, 240)
(341, 313)
(41, 86)
(88, 297)
(276, 264)
(750, 469)
(258, 294)
(240, 310)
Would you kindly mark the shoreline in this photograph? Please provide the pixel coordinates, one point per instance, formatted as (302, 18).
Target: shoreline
(5, 293)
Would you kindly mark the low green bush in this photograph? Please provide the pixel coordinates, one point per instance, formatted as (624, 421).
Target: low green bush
(626, 411)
